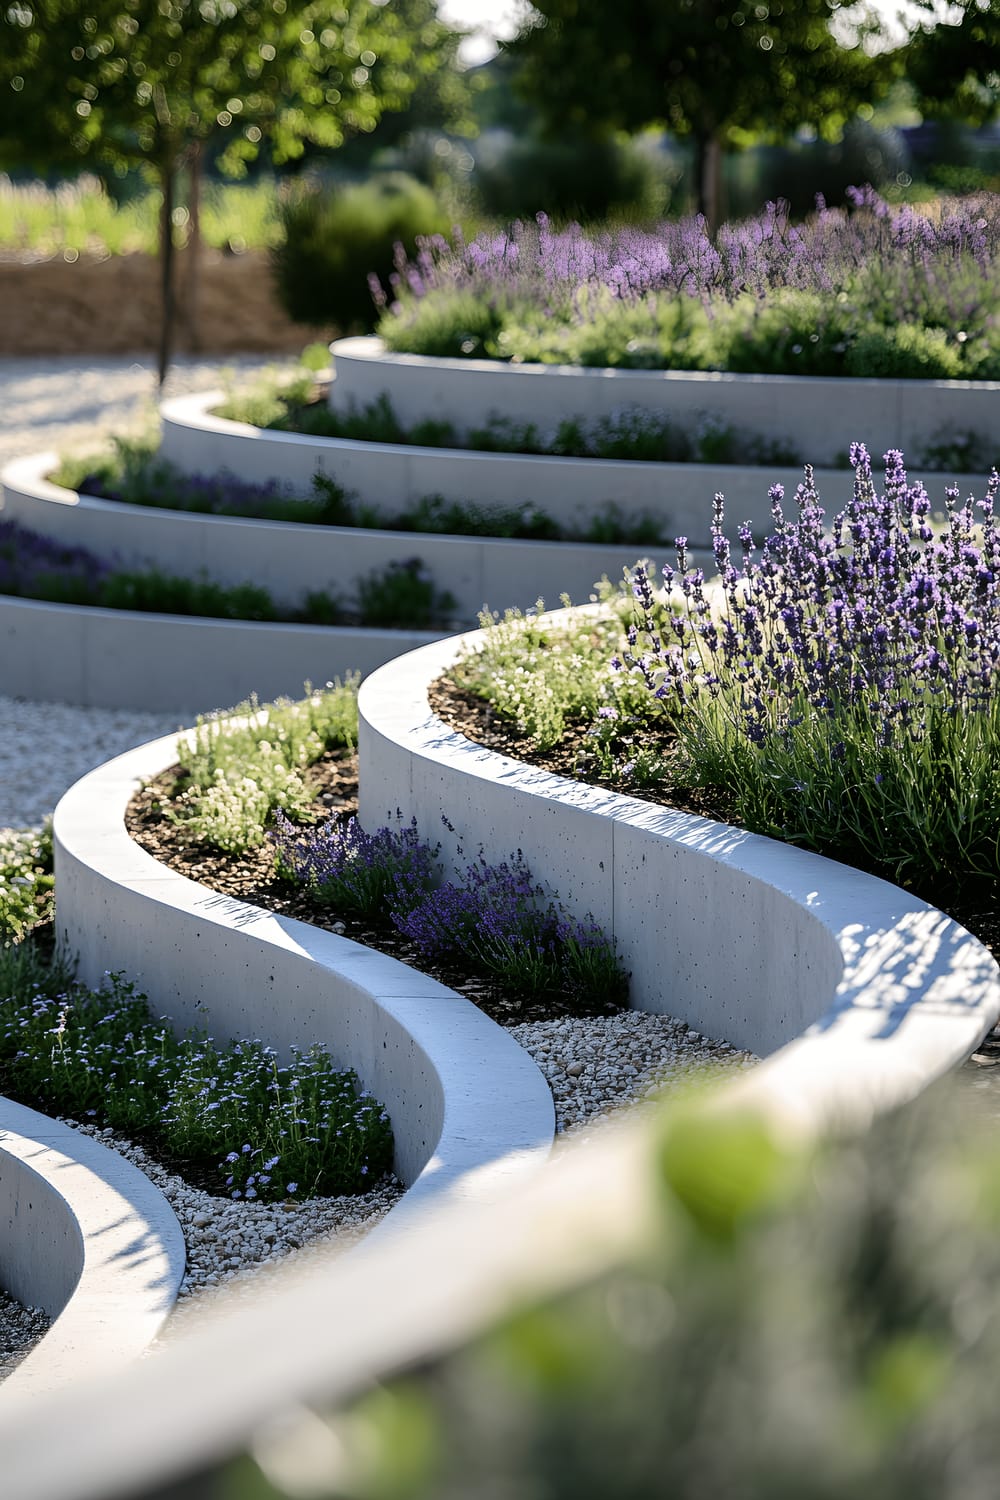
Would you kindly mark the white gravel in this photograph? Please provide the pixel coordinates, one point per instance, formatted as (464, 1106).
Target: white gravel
(66, 404)
(20, 1329)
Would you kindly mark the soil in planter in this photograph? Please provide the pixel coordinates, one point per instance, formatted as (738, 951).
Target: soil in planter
(250, 877)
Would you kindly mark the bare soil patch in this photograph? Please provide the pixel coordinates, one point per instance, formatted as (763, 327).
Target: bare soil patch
(111, 305)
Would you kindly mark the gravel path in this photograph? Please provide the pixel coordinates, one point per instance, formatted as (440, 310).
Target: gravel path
(63, 403)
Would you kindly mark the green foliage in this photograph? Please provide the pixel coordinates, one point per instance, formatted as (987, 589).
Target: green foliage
(905, 352)
(402, 596)
(239, 769)
(446, 326)
(954, 65)
(586, 179)
(335, 238)
(170, 594)
(788, 1327)
(293, 1130)
(715, 72)
(26, 881)
(544, 675)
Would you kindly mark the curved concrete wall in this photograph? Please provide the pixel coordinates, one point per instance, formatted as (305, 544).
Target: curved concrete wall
(87, 1237)
(820, 416)
(290, 559)
(470, 1110)
(391, 475)
(863, 992)
(116, 658)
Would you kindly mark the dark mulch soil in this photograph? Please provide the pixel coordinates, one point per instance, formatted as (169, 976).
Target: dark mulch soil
(250, 877)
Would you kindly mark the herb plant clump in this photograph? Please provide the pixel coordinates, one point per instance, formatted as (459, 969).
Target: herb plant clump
(844, 683)
(496, 921)
(250, 1125)
(26, 881)
(236, 771)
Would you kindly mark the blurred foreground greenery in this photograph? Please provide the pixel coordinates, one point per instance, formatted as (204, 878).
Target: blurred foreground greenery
(800, 1326)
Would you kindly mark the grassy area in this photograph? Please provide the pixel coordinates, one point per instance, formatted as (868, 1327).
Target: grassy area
(80, 216)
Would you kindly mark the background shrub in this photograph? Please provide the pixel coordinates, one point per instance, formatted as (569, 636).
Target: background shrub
(335, 237)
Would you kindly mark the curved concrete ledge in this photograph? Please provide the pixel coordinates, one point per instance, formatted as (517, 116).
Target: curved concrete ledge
(471, 1112)
(88, 1238)
(820, 416)
(391, 475)
(863, 993)
(290, 559)
(117, 658)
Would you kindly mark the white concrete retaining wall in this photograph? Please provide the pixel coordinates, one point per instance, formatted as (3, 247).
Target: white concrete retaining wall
(87, 1237)
(290, 559)
(111, 658)
(863, 992)
(390, 476)
(471, 1113)
(820, 416)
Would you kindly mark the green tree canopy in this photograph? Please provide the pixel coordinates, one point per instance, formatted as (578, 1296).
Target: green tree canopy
(954, 65)
(719, 71)
(153, 81)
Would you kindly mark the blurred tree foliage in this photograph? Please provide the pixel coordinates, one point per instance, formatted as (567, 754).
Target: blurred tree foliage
(719, 71)
(119, 82)
(955, 65)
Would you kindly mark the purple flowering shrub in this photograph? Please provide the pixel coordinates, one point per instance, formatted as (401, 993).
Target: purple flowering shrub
(497, 921)
(346, 867)
(843, 683)
(870, 289)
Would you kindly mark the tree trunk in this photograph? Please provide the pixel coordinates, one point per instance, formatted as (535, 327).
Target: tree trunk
(708, 179)
(192, 280)
(168, 306)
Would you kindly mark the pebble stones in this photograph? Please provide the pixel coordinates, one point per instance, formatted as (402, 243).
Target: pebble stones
(20, 1329)
(226, 1240)
(600, 1064)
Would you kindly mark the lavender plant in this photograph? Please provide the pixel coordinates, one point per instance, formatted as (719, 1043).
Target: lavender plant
(501, 922)
(844, 686)
(866, 290)
(355, 871)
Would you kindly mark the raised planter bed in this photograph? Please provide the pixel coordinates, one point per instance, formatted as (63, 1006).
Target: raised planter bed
(886, 991)
(289, 559)
(470, 1110)
(820, 416)
(863, 993)
(117, 658)
(88, 1238)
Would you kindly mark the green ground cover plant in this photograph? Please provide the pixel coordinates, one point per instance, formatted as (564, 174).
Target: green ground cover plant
(236, 772)
(26, 881)
(399, 596)
(134, 474)
(631, 434)
(252, 1127)
(870, 290)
